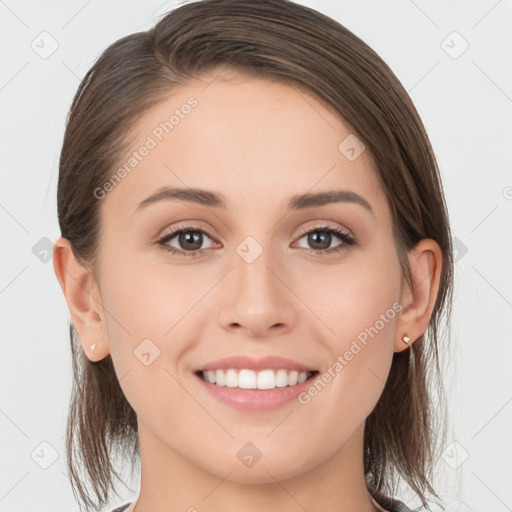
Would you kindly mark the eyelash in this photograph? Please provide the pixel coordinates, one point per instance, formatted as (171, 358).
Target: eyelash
(348, 240)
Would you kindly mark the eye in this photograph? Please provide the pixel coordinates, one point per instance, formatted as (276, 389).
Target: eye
(321, 244)
(191, 238)
(188, 237)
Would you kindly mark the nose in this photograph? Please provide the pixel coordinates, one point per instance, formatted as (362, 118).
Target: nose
(258, 298)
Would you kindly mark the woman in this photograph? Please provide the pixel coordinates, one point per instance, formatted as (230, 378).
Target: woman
(256, 256)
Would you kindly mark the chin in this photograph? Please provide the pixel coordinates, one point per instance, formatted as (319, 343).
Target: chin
(263, 472)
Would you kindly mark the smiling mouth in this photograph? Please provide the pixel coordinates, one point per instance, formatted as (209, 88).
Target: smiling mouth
(250, 379)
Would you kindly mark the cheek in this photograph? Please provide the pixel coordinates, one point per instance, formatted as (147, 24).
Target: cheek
(366, 309)
(359, 303)
(149, 301)
(356, 296)
(148, 316)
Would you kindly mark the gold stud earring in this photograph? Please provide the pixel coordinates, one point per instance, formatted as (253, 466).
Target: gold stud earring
(406, 339)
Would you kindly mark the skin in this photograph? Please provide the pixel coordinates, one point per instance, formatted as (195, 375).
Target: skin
(257, 142)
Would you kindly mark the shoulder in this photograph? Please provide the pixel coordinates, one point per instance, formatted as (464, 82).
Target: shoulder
(121, 508)
(391, 504)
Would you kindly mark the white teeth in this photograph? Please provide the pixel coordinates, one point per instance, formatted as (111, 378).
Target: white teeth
(266, 379)
(281, 378)
(231, 378)
(246, 379)
(302, 377)
(293, 378)
(219, 378)
(249, 379)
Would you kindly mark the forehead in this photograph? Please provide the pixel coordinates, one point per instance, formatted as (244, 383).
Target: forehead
(254, 140)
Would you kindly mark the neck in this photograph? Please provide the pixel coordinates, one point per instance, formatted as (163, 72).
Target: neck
(170, 483)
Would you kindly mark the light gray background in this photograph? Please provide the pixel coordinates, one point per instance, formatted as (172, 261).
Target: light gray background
(466, 105)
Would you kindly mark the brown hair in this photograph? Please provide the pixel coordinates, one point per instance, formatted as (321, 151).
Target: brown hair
(284, 41)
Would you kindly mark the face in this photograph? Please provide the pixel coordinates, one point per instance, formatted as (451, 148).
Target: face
(185, 284)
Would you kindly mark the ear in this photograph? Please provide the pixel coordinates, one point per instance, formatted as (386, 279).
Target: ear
(84, 301)
(426, 263)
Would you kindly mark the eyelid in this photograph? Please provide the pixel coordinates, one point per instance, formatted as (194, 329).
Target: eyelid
(319, 225)
(346, 237)
(303, 230)
(187, 226)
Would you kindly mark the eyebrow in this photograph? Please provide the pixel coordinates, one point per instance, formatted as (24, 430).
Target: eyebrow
(215, 200)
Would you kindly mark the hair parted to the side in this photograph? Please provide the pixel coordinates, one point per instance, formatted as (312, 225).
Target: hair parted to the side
(284, 41)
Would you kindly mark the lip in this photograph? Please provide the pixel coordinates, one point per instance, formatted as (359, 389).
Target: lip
(263, 363)
(255, 399)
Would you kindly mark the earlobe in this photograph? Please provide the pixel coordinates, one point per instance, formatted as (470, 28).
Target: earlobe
(84, 301)
(426, 262)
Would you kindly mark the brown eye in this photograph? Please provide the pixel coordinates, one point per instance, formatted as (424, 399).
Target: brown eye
(188, 238)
